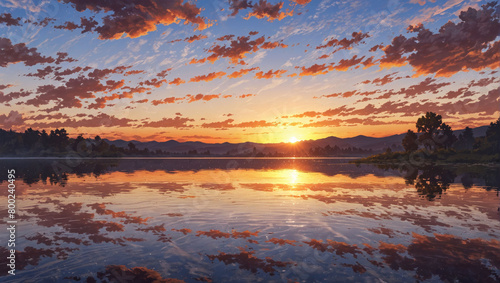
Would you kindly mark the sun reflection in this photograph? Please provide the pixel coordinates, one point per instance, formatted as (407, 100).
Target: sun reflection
(293, 175)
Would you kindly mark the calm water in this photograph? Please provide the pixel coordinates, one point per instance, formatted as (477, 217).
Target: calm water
(247, 220)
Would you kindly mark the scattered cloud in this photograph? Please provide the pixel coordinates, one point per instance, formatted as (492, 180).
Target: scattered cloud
(466, 45)
(17, 53)
(141, 17)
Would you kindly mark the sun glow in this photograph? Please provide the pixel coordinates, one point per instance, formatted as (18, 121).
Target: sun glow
(293, 140)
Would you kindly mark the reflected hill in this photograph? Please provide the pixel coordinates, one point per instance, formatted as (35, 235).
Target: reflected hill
(429, 180)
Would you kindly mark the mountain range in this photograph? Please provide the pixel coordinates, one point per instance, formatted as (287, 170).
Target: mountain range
(363, 142)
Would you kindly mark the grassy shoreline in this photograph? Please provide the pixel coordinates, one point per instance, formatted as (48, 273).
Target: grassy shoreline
(426, 157)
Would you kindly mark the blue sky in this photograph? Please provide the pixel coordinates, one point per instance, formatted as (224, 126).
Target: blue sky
(308, 69)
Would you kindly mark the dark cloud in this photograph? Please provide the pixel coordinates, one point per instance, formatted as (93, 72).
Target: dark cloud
(42, 73)
(345, 43)
(345, 64)
(463, 91)
(486, 104)
(468, 44)
(248, 261)
(67, 26)
(195, 37)
(137, 18)
(42, 23)
(4, 98)
(71, 93)
(153, 82)
(86, 24)
(237, 5)
(237, 49)
(264, 9)
(63, 57)
(8, 20)
(5, 86)
(389, 78)
(427, 85)
(93, 121)
(14, 118)
(190, 39)
(177, 122)
(120, 273)
(12, 54)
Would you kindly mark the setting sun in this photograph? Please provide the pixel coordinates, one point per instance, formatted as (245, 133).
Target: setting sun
(293, 140)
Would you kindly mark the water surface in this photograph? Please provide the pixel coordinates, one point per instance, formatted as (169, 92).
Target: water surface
(252, 220)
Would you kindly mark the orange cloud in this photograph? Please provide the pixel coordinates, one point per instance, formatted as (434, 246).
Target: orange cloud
(229, 124)
(195, 37)
(153, 82)
(315, 70)
(134, 72)
(205, 97)
(240, 73)
(167, 100)
(264, 9)
(190, 39)
(208, 77)
(344, 64)
(141, 17)
(270, 74)
(301, 2)
(177, 81)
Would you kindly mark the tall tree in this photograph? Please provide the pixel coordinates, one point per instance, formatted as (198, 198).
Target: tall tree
(410, 141)
(428, 125)
(493, 136)
(465, 140)
(445, 138)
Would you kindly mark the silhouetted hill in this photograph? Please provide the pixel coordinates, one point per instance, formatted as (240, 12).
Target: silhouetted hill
(364, 142)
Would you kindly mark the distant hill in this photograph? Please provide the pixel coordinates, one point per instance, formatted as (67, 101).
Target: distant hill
(364, 142)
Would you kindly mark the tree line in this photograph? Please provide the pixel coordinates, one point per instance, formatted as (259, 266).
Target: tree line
(58, 143)
(434, 135)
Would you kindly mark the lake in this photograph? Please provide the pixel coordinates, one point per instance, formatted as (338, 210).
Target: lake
(251, 220)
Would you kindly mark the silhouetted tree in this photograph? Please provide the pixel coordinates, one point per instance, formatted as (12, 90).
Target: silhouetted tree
(410, 141)
(79, 141)
(428, 126)
(465, 140)
(445, 138)
(131, 147)
(493, 136)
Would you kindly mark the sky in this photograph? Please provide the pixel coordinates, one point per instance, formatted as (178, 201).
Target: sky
(236, 70)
